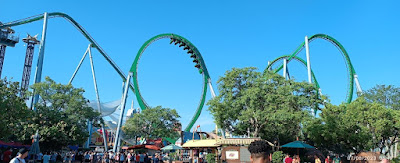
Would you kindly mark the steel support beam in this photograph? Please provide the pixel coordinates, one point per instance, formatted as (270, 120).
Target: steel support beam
(123, 103)
(39, 67)
(211, 88)
(97, 96)
(2, 54)
(90, 130)
(213, 96)
(308, 59)
(79, 65)
(284, 71)
(358, 86)
(270, 67)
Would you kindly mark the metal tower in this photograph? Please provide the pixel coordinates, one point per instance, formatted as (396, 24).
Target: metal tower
(6, 39)
(30, 46)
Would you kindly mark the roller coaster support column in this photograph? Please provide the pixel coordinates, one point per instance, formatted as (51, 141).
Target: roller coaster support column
(90, 130)
(38, 72)
(121, 116)
(79, 65)
(2, 54)
(308, 59)
(270, 67)
(97, 96)
(358, 86)
(211, 88)
(213, 95)
(285, 68)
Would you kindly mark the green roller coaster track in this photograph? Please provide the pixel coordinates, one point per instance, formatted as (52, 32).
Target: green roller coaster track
(143, 105)
(350, 68)
(314, 79)
(78, 27)
(195, 54)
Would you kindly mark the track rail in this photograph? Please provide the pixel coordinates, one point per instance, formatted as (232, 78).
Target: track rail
(79, 28)
(297, 59)
(350, 69)
(195, 54)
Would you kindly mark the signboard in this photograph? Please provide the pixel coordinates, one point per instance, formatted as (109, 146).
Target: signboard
(232, 155)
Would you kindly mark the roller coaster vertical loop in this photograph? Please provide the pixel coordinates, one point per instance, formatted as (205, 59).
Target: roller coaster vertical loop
(195, 53)
(350, 69)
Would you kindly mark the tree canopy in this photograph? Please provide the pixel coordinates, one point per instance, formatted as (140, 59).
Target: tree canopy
(61, 116)
(385, 95)
(262, 104)
(13, 110)
(154, 122)
(354, 127)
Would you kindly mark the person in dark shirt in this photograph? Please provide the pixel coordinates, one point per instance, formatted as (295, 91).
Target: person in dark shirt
(260, 152)
(7, 155)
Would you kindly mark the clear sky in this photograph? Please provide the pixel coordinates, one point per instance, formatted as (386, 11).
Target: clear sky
(227, 33)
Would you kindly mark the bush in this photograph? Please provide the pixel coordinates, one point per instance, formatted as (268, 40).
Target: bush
(277, 157)
(395, 160)
(210, 158)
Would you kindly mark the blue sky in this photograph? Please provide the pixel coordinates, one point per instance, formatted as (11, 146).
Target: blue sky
(227, 33)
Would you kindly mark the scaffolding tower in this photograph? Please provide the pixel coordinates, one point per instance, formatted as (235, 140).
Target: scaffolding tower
(7, 38)
(30, 46)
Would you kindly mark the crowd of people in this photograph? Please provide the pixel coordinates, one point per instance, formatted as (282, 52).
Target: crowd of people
(296, 159)
(22, 156)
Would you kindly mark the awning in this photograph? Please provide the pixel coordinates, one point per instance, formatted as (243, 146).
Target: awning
(239, 141)
(153, 147)
(297, 144)
(201, 143)
(236, 141)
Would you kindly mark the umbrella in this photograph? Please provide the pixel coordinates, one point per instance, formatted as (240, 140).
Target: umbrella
(298, 145)
(35, 149)
(171, 147)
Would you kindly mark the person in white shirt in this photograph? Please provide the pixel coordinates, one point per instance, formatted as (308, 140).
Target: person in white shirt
(22, 154)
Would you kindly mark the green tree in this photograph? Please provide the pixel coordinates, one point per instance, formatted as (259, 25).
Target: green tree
(61, 116)
(154, 122)
(210, 158)
(13, 110)
(277, 157)
(385, 95)
(354, 127)
(262, 104)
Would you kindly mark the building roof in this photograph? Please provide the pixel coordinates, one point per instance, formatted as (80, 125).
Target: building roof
(236, 141)
(200, 143)
(239, 141)
(153, 147)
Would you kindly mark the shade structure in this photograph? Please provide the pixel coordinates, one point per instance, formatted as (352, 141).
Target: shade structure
(207, 143)
(35, 149)
(297, 144)
(171, 147)
(153, 147)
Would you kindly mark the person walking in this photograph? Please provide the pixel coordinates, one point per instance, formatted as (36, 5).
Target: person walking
(46, 157)
(328, 159)
(259, 152)
(296, 159)
(288, 159)
(122, 158)
(53, 157)
(137, 157)
(317, 160)
(7, 155)
(39, 157)
(22, 154)
(336, 159)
